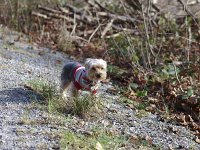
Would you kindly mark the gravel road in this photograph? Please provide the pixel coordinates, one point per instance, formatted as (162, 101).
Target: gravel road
(21, 62)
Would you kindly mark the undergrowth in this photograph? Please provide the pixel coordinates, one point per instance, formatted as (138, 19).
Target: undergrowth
(51, 98)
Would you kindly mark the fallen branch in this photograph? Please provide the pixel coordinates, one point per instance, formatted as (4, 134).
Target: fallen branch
(93, 33)
(60, 17)
(102, 7)
(85, 33)
(122, 29)
(116, 17)
(108, 26)
(73, 9)
(49, 9)
(113, 35)
(64, 10)
(39, 15)
(79, 15)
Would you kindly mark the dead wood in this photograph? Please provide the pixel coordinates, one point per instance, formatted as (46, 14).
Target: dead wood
(47, 9)
(37, 14)
(92, 21)
(116, 17)
(107, 28)
(73, 9)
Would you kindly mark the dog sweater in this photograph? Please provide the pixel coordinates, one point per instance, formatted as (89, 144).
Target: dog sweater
(81, 80)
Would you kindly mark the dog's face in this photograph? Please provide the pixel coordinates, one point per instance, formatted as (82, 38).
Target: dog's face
(96, 69)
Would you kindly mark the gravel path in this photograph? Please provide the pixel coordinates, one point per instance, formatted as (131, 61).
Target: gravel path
(21, 62)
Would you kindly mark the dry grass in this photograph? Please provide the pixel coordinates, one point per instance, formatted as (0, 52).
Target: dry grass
(65, 39)
(17, 13)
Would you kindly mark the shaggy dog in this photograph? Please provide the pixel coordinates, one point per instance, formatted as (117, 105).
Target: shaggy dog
(87, 78)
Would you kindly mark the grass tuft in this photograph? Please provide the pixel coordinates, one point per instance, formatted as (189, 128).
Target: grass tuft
(103, 140)
(85, 105)
(50, 97)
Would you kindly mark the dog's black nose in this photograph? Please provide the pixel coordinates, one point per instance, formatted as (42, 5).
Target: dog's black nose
(98, 75)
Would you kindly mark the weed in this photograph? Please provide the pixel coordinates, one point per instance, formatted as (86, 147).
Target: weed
(47, 91)
(49, 95)
(65, 39)
(101, 139)
(85, 105)
(56, 104)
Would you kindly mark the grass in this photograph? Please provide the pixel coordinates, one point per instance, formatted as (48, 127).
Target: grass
(103, 139)
(65, 39)
(86, 105)
(50, 97)
(99, 140)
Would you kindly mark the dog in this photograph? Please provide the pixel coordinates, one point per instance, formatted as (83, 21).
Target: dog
(85, 78)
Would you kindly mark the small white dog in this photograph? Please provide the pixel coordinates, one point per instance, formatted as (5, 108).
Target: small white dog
(86, 78)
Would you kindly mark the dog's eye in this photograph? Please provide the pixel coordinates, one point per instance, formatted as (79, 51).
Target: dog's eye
(93, 68)
(101, 68)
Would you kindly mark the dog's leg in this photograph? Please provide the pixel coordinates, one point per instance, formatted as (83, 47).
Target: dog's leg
(64, 88)
(75, 92)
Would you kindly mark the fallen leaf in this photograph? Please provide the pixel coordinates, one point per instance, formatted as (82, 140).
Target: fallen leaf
(98, 146)
(197, 140)
(134, 139)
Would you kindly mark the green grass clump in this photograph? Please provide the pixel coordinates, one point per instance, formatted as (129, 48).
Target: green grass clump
(82, 106)
(97, 140)
(51, 98)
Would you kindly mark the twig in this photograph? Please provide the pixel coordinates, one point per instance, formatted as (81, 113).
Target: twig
(75, 24)
(113, 35)
(176, 72)
(49, 9)
(189, 43)
(59, 16)
(85, 33)
(102, 7)
(193, 41)
(122, 29)
(79, 14)
(39, 15)
(116, 17)
(73, 9)
(188, 12)
(147, 33)
(66, 11)
(80, 38)
(91, 36)
(108, 26)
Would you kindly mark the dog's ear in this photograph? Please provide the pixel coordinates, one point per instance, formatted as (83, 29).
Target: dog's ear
(87, 63)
